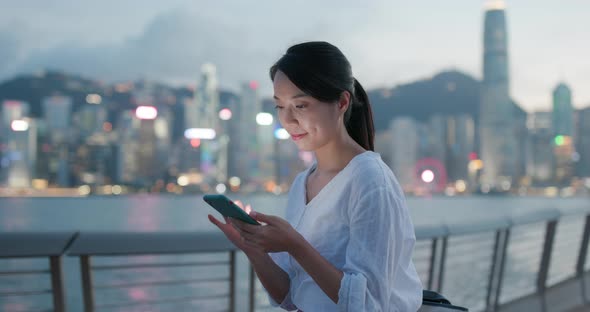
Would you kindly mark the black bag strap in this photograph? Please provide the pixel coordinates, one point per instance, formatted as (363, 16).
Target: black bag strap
(432, 296)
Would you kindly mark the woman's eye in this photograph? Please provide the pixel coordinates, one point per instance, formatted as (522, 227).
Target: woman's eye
(278, 107)
(300, 106)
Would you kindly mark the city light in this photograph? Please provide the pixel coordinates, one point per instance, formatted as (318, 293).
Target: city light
(253, 85)
(461, 186)
(225, 114)
(264, 119)
(93, 99)
(234, 181)
(427, 176)
(19, 125)
(200, 133)
(282, 134)
(495, 5)
(220, 188)
(195, 143)
(84, 190)
(116, 189)
(559, 140)
(146, 112)
(182, 180)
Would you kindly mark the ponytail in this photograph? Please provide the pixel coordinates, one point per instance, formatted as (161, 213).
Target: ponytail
(360, 120)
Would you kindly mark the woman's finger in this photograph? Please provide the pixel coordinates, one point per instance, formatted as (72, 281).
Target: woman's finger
(214, 220)
(245, 226)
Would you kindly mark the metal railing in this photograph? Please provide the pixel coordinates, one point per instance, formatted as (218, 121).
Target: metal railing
(531, 260)
(89, 246)
(36, 245)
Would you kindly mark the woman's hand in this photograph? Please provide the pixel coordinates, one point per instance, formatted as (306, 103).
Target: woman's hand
(231, 233)
(275, 235)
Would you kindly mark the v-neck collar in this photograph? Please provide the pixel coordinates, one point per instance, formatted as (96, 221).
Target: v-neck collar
(326, 188)
(330, 183)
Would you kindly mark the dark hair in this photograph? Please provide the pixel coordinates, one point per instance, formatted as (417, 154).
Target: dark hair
(321, 70)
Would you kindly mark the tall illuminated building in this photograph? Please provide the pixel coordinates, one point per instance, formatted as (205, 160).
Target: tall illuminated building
(499, 150)
(563, 130)
(563, 111)
(404, 132)
(57, 113)
(13, 109)
(583, 143)
(540, 159)
(58, 116)
(21, 152)
(250, 106)
(460, 142)
(127, 146)
(207, 102)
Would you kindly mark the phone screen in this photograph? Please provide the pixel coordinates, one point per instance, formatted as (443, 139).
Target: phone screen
(227, 208)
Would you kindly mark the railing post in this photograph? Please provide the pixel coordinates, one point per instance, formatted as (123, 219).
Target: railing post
(498, 291)
(57, 285)
(232, 280)
(432, 263)
(252, 290)
(582, 257)
(493, 266)
(86, 272)
(443, 256)
(545, 261)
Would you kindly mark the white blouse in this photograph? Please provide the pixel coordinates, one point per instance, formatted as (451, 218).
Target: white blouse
(360, 223)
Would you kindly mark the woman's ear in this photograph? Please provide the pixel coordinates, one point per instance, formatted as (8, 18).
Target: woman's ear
(344, 101)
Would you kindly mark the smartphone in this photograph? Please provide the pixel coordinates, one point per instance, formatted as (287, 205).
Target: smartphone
(227, 208)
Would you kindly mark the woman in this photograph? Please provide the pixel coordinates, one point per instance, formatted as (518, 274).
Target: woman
(347, 240)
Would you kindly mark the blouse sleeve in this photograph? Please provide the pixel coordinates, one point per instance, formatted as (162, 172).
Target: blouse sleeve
(282, 260)
(380, 247)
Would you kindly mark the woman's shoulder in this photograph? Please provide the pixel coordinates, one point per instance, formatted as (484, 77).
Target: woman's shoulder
(371, 173)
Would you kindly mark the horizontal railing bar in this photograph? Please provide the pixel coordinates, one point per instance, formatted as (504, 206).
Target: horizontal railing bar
(24, 272)
(453, 249)
(525, 248)
(468, 249)
(473, 237)
(24, 293)
(567, 245)
(527, 234)
(158, 283)
(156, 265)
(171, 300)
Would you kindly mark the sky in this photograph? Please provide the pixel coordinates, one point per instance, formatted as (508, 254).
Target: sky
(388, 42)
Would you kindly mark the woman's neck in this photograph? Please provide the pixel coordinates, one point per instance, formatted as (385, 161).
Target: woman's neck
(334, 156)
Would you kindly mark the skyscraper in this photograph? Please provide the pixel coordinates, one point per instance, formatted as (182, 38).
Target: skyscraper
(563, 111)
(250, 106)
(403, 160)
(583, 143)
(497, 128)
(12, 110)
(563, 130)
(540, 160)
(207, 101)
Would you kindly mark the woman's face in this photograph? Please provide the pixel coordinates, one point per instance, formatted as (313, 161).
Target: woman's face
(310, 122)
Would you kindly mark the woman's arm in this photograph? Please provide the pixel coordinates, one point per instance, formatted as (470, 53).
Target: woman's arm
(278, 235)
(272, 277)
(326, 275)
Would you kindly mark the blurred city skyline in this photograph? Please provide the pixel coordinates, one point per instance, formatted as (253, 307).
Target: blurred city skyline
(388, 43)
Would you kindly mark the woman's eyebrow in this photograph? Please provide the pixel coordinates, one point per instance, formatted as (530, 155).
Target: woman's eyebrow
(293, 97)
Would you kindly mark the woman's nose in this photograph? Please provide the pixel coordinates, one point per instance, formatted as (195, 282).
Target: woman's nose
(287, 117)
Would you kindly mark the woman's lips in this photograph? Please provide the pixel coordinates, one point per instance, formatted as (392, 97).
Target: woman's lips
(297, 137)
